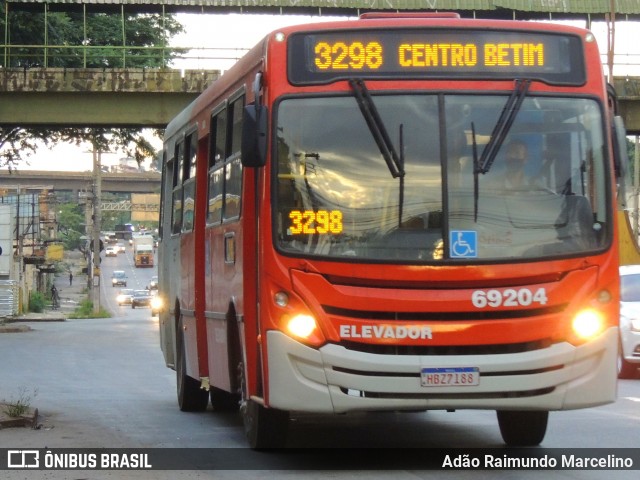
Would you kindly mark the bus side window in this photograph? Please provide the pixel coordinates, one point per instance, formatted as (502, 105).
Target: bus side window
(214, 210)
(176, 214)
(233, 173)
(189, 204)
(166, 170)
(189, 182)
(176, 224)
(217, 154)
(191, 155)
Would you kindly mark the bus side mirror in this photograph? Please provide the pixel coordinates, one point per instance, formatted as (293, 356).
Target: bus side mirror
(621, 161)
(254, 136)
(620, 154)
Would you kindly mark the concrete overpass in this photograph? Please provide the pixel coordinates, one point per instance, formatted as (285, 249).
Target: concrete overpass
(146, 182)
(130, 97)
(628, 89)
(146, 97)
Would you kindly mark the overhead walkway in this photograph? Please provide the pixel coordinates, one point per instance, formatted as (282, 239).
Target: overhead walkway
(131, 97)
(146, 97)
(142, 182)
(628, 89)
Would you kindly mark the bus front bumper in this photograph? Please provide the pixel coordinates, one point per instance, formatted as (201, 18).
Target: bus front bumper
(334, 379)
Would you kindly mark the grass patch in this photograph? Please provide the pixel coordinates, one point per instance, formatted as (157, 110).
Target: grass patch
(85, 310)
(21, 405)
(37, 302)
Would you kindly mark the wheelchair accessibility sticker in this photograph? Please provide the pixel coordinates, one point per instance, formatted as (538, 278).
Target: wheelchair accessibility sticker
(463, 244)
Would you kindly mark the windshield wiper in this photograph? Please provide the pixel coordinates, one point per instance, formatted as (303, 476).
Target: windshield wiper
(476, 171)
(377, 128)
(503, 125)
(483, 164)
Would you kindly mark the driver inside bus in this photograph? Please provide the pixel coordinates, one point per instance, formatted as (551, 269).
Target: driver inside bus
(516, 158)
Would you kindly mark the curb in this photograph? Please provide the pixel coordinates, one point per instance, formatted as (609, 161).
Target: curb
(14, 328)
(11, 324)
(21, 421)
(60, 318)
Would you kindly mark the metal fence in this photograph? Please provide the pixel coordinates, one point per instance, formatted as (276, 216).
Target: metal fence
(115, 56)
(9, 298)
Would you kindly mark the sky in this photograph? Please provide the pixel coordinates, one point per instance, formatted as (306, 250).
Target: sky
(217, 41)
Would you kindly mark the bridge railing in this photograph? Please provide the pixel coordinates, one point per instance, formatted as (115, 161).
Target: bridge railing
(105, 80)
(116, 56)
(624, 64)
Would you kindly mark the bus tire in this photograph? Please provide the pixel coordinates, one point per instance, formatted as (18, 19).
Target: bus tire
(223, 401)
(191, 398)
(522, 428)
(626, 370)
(265, 428)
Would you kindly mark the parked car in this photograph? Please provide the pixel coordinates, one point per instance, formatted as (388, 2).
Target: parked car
(141, 298)
(121, 247)
(629, 351)
(153, 284)
(111, 251)
(119, 278)
(124, 296)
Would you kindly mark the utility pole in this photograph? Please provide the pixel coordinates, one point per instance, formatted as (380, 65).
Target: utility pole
(97, 225)
(611, 38)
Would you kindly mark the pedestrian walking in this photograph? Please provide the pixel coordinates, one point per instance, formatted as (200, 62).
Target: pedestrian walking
(70, 278)
(55, 297)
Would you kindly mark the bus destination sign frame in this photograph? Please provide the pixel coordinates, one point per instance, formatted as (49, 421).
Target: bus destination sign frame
(435, 53)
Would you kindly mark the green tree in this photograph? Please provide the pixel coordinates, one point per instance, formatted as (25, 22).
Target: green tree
(99, 40)
(70, 225)
(94, 40)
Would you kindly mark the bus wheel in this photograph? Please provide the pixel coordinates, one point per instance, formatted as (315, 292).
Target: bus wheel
(626, 369)
(264, 427)
(224, 401)
(522, 428)
(191, 398)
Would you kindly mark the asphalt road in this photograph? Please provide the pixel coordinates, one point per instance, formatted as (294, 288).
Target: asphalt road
(102, 383)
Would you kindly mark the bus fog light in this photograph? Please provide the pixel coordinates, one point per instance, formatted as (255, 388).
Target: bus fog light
(281, 299)
(588, 324)
(301, 326)
(604, 296)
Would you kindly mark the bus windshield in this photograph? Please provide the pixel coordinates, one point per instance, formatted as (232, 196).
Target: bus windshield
(544, 194)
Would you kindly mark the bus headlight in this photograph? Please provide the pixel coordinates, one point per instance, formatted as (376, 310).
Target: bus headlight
(156, 303)
(588, 324)
(296, 321)
(301, 326)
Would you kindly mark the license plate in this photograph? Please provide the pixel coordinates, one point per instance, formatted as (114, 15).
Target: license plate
(450, 377)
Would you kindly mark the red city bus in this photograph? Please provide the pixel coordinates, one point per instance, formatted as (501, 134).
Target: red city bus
(403, 212)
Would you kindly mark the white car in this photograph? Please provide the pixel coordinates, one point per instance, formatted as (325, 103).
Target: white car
(629, 354)
(124, 296)
(111, 252)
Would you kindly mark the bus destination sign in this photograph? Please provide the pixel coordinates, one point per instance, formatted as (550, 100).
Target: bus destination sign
(324, 57)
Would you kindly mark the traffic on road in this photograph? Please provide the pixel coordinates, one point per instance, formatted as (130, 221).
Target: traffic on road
(126, 285)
